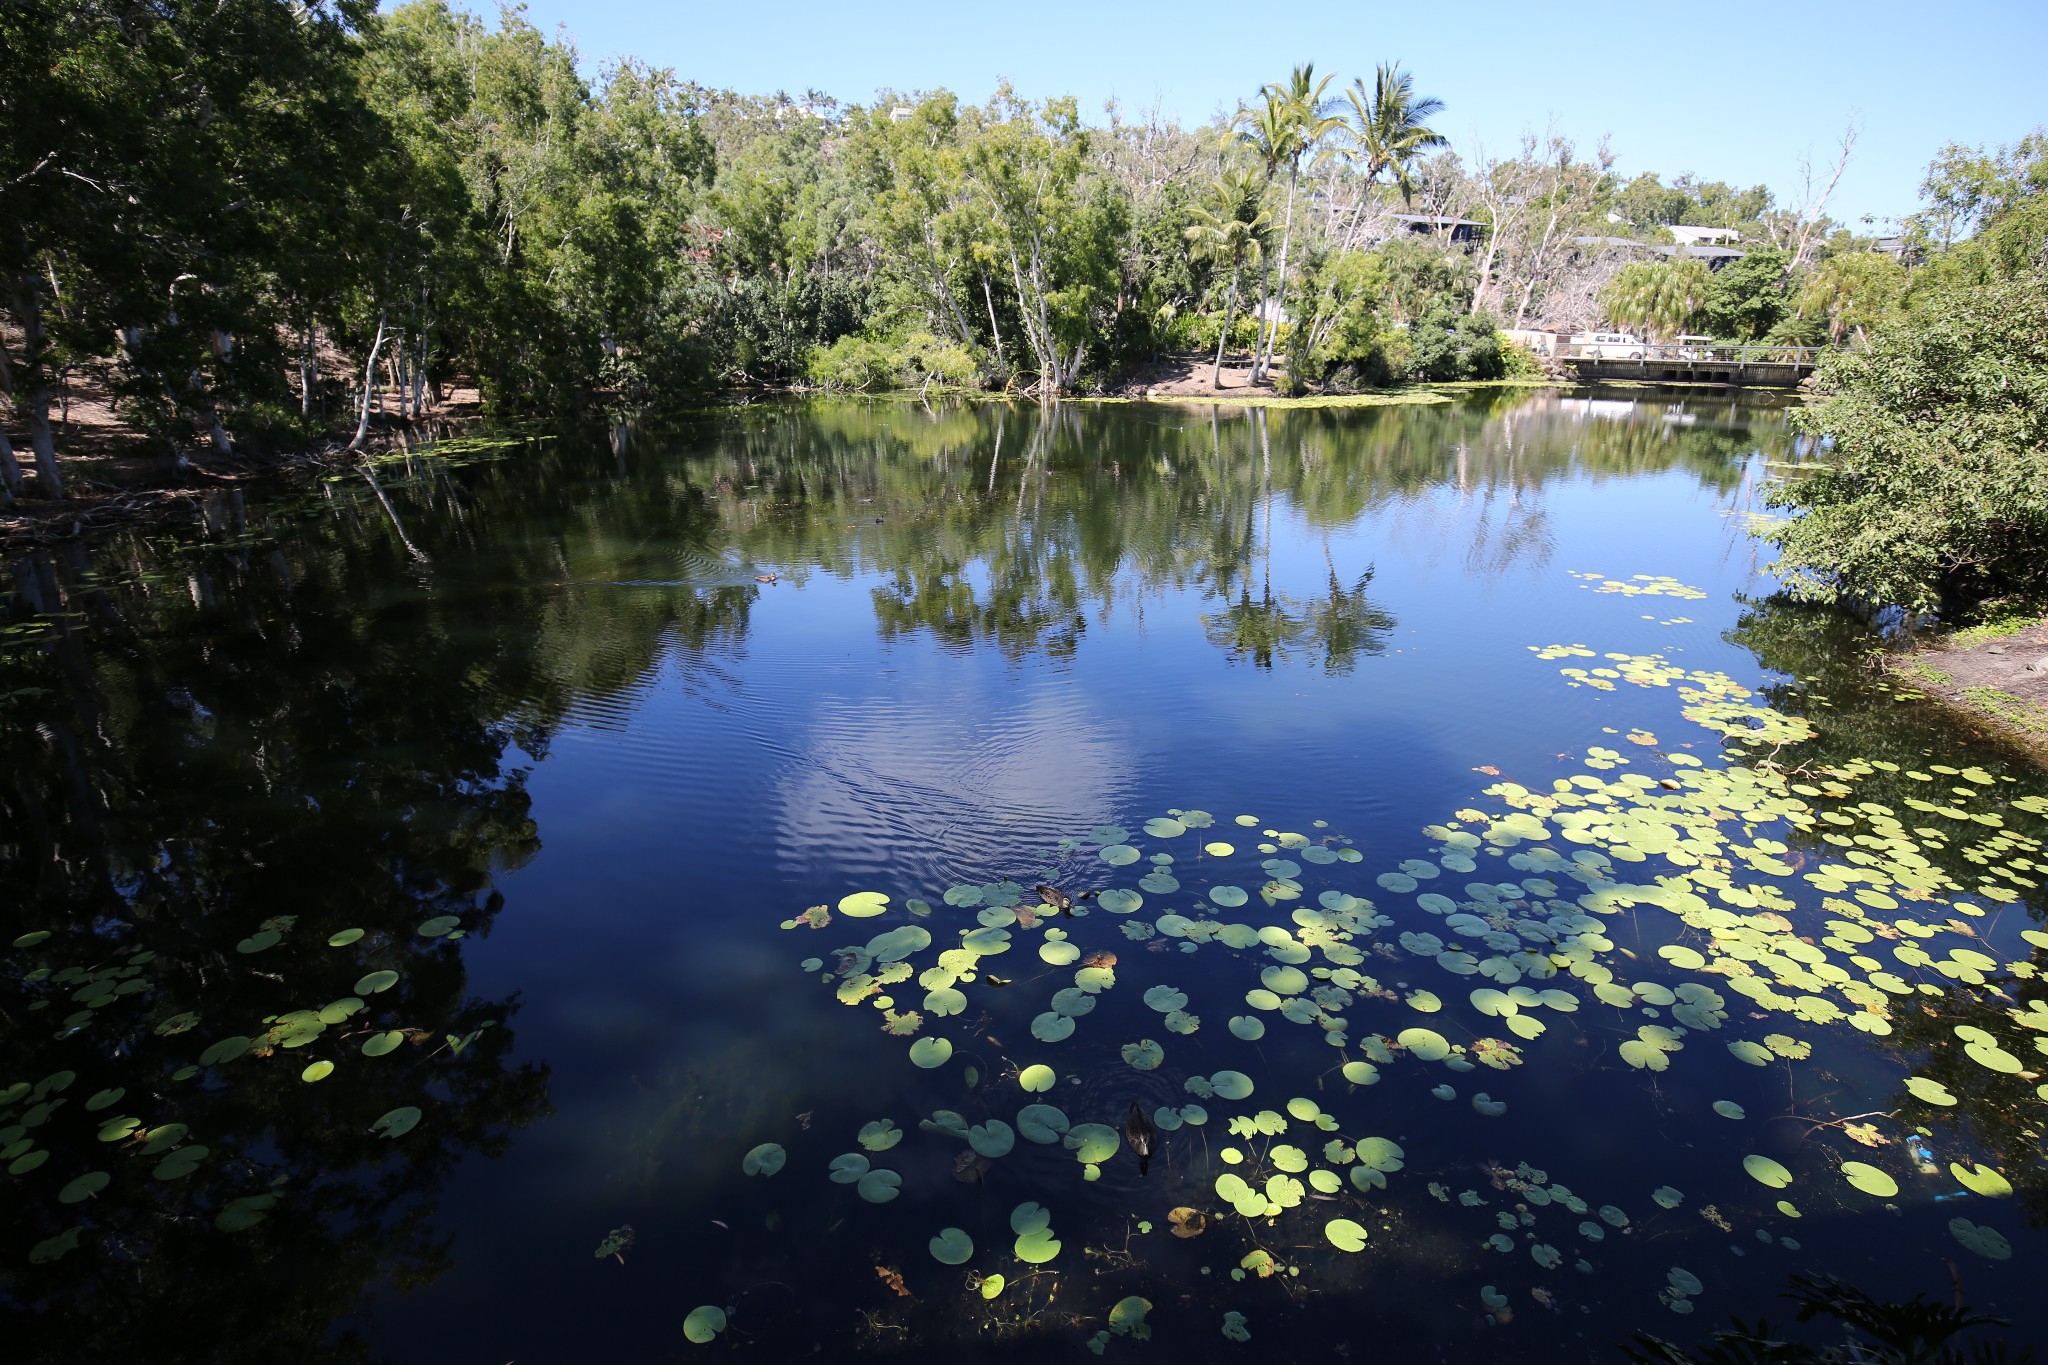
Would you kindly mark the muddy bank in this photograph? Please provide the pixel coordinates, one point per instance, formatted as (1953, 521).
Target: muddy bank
(1997, 677)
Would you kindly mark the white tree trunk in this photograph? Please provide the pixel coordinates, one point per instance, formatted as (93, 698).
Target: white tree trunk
(369, 385)
(1263, 364)
(1223, 337)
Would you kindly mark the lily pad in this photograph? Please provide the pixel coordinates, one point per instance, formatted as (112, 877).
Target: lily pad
(1986, 1242)
(931, 1052)
(1037, 1078)
(83, 1188)
(1041, 1123)
(1729, 1109)
(766, 1159)
(863, 904)
(878, 1186)
(703, 1323)
(848, 1167)
(1424, 1044)
(1344, 1234)
(398, 1122)
(1767, 1172)
(1144, 1055)
(1981, 1180)
(952, 1247)
(1248, 1027)
(1869, 1179)
(1231, 1085)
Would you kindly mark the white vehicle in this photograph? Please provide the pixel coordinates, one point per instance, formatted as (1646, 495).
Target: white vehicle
(1608, 346)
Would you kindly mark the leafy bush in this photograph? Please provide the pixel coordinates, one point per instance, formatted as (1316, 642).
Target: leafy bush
(1451, 345)
(863, 364)
(1936, 491)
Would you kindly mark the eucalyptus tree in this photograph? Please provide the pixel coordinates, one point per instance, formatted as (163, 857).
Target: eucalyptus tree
(1388, 131)
(1058, 226)
(1229, 230)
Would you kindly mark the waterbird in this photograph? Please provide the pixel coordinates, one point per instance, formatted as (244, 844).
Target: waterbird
(1143, 1137)
(764, 578)
(1056, 898)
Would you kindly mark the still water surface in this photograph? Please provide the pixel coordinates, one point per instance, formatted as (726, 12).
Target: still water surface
(1405, 694)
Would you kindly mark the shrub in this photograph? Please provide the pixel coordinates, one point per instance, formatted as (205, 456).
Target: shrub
(1935, 494)
(863, 364)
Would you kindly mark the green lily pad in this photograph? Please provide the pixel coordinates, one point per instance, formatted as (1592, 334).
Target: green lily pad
(931, 1052)
(1038, 1247)
(864, 905)
(1231, 1085)
(163, 1139)
(1423, 1044)
(1144, 1055)
(1344, 1234)
(1981, 1180)
(83, 1188)
(1929, 1091)
(377, 1044)
(1041, 1123)
(1986, 1242)
(1729, 1109)
(1165, 998)
(1229, 897)
(1092, 1143)
(1038, 1077)
(398, 1122)
(1052, 1027)
(992, 1139)
(440, 926)
(257, 942)
(766, 1159)
(376, 981)
(848, 1167)
(952, 1247)
(879, 1186)
(317, 1071)
(1869, 1179)
(1767, 1172)
(879, 1135)
(344, 937)
(704, 1323)
(226, 1050)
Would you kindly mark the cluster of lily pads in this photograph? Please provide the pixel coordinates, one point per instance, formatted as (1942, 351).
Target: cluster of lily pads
(1524, 891)
(116, 993)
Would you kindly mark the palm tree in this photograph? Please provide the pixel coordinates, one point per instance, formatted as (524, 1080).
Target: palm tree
(1230, 229)
(1389, 131)
(1290, 121)
(1657, 296)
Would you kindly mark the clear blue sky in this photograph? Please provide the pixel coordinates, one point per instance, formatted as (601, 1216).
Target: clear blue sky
(1735, 93)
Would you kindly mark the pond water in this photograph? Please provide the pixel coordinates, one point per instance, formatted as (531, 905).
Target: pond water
(472, 913)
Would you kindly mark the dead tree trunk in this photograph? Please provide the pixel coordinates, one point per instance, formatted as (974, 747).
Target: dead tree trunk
(369, 385)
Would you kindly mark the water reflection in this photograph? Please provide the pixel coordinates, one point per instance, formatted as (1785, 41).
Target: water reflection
(986, 627)
(208, 767)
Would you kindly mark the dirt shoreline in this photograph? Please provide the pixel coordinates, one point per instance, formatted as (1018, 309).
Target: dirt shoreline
(1993, 677)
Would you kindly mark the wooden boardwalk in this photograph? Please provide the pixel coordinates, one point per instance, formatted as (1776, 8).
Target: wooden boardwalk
(1754, 367)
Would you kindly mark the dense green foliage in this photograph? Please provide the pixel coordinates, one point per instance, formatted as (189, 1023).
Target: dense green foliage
(1935, 494)
(254, 224)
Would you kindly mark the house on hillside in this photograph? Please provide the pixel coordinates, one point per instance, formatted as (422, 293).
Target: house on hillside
(1704, 236)
(1464, 232)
